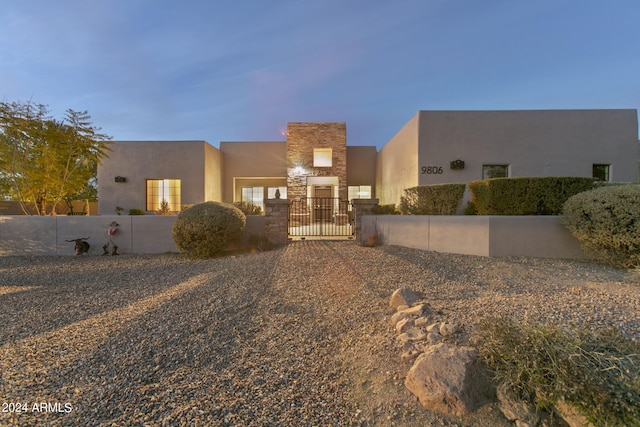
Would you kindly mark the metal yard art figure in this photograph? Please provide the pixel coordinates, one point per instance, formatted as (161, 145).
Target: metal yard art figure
(82, 247)
(111, 234)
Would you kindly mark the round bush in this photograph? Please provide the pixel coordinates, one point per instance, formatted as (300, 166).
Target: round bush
(607, 221)
(207, 228)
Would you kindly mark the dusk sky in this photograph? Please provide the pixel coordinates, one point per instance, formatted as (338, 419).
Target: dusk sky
(240, 70)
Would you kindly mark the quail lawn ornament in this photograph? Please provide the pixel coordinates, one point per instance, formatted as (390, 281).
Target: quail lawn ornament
(111, 234)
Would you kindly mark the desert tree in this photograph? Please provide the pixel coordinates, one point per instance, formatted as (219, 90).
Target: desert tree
(44, 160)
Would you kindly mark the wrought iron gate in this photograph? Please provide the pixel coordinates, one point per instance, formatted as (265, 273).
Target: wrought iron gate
(320, 216)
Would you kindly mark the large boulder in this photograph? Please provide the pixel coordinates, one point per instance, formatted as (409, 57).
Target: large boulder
(449, 379)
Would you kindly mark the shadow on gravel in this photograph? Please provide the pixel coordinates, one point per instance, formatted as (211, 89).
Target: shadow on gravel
(157, 364)
(62, 291)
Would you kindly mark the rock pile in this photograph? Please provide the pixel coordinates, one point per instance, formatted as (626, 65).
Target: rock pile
(450, 378)
(445, 377)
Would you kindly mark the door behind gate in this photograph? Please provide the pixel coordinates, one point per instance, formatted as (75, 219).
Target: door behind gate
(315, 217)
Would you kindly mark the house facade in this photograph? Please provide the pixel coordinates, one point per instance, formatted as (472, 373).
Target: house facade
(437, 147)
(315, 160)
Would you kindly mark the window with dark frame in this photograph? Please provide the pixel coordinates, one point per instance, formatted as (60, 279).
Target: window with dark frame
(602, 172)
(495, 171)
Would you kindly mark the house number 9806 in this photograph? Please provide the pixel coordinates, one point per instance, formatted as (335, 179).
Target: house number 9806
(436, 170)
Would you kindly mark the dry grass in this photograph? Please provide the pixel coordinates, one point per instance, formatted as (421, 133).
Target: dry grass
(596, 372)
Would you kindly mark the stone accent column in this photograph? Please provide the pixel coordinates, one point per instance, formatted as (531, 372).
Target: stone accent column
(276, 216)
(361, 207)
(302, 138)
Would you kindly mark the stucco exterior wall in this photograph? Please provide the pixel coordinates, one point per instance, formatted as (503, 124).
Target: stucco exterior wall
(397, 164)
(252, 159)
(138, 161)
(532, 143)
(361, 166)
(212, 173)
(145, 234)
(491, 236)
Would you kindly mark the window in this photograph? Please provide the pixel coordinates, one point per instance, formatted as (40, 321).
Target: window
(163, 190)
(271, 192)
(359, 192)
(601, 172)
(253, 195)
(495, 171)
(322, 157)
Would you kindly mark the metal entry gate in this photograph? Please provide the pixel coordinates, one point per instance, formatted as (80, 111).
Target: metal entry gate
(320, 216)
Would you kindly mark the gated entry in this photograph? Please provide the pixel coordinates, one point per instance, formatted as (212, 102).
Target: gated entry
(320, 216)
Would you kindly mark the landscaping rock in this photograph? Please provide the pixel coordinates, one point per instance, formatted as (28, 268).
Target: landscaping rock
(449, 379)
(516, 410)
(403, 296)
(434, 327)
(421, 322)
(409, 313)
(448, 329)
(403, 325)
(434, 338)
(412, 334)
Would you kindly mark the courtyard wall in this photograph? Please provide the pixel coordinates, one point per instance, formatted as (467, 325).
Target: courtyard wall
(137, 234)
(491, 236)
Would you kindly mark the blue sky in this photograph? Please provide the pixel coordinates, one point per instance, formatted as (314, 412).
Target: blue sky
(239, 70)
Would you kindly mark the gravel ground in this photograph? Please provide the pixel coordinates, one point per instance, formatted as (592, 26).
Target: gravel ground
(295, 336)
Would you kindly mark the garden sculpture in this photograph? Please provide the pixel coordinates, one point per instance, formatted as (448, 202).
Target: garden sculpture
(111, 233)
(82, 247)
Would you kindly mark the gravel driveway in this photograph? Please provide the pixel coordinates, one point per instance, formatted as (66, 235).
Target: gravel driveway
(295, 336)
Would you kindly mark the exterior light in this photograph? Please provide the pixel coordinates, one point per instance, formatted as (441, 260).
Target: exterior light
(457, 165)
(299, 170)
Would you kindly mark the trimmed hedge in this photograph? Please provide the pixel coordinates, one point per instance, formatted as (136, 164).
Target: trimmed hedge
(248, 208)
(526, 196)
(207, 228)
(385, 210)
(435, 199)
(607, 221)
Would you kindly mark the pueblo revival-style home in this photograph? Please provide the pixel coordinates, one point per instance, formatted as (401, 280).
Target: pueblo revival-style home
(315, 161)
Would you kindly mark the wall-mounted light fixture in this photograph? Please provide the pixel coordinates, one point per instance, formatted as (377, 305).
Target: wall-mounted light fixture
(457, 165)
(299, 170)
(121, 179)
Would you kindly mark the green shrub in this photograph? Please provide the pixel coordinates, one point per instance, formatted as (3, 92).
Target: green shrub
(595, 372)
(607, 221)
(136, 212)
(436, 199)
(471, 209)
(526, 196)
(385, 210)
(207, 228)
(248, 208)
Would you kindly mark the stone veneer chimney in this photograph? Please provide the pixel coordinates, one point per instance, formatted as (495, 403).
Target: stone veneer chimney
(302, 138)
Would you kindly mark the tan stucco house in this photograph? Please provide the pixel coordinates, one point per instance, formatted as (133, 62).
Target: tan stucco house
(315, 160)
